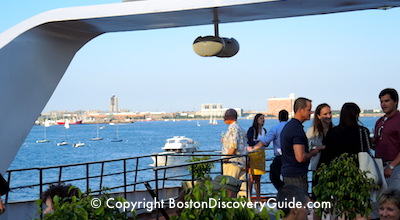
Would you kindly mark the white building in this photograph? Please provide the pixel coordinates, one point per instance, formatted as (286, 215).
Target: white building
(216, 109)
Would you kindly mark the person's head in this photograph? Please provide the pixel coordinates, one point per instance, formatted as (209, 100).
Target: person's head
(322, 117)
(229, 183)
(389, 100)
(258, 121)
(63, 191)
(292, 193)
(230, 115)
(283, 115)
(302, 109)
(389, 204)
(349, 114)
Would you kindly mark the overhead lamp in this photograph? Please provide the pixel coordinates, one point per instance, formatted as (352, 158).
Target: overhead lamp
(209, 46)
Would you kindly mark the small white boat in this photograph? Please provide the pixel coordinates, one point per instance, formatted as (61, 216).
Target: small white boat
(213, 121)
(97, 138)
(116, 137)
(79, 144)
(44, 140)
(66, 126)
(178, 145)
(62, 143)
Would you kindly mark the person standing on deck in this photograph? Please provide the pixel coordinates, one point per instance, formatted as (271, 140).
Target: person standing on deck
(234, 143)
(387, 137)
(295, 151)
(257, 158)
(274, 136)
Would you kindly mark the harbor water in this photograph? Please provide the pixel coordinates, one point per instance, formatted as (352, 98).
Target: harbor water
(138, 139)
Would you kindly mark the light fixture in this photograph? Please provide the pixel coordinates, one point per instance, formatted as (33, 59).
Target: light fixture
(209, 46)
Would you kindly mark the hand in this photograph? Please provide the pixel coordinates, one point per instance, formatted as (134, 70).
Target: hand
(250, 149)
(388, 172)
(2, 207)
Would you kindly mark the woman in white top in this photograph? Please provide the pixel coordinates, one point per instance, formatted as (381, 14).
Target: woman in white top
(322, 122)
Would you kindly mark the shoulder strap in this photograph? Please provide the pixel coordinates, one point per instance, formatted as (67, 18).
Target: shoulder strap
(366, 148)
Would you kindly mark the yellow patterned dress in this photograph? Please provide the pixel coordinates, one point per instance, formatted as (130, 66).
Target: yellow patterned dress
(257, 158)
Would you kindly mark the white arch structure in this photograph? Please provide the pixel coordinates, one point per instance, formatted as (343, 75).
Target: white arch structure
(35, 54)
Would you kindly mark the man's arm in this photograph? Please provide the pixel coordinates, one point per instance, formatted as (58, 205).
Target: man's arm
(271, 135)
(255, 147)
(388, 171)
(302, 156)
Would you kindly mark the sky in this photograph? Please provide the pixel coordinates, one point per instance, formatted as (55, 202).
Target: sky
(333, 58)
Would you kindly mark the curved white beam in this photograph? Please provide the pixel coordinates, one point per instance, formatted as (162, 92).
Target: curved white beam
(35, 54)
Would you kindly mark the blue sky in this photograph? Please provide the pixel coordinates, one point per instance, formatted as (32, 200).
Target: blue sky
(333, 58)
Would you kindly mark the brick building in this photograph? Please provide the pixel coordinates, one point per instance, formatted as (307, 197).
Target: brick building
(277, 104)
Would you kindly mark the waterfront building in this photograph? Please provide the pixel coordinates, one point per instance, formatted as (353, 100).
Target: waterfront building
(216, 109)
(114, 104)
(277, 104)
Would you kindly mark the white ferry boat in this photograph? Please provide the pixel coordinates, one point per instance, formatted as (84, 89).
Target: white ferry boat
(175, 150)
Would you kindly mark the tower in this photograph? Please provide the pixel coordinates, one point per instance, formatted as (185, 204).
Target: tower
(114, 104)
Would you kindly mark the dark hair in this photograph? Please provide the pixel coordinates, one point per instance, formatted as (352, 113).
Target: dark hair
(392, 92)
(349, 114)
(300, 103)
(255, 124)
(317, 123)
(288, 193)
(61, 190)
(283, 115)
(230, 114)
(390, 195)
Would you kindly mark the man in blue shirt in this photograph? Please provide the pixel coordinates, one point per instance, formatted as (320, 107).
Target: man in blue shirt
(295, 152)
(273, 136)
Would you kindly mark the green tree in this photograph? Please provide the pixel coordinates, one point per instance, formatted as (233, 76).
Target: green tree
(81, 207)
(345, 186)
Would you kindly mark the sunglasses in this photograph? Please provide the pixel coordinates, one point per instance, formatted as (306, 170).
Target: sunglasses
(381, 128)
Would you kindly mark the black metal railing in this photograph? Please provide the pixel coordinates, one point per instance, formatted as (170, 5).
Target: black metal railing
(129, 174)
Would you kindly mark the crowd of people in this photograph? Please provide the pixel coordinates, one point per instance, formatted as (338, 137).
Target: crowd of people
(295, 149)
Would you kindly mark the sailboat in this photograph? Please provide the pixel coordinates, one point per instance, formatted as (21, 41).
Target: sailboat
(213, 121)
(116, 138)
(198, 124)
(97, 138)
(66, 126)
(44, 140)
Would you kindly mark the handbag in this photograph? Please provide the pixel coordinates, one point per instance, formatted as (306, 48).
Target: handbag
(4, 187)
(373, 166)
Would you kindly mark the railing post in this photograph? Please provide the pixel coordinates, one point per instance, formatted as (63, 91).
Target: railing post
(222, 166)
(248, 191)
(41, 188)
(125, 179)
(156, 199)
(60, 175)
(8, 181)
(87, 177)
(136, 172)
(101, 176)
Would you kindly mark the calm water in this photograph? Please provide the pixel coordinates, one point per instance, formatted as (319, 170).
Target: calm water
(139, 138)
